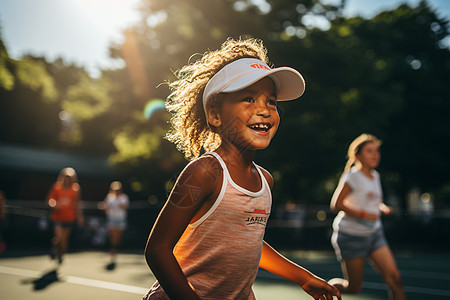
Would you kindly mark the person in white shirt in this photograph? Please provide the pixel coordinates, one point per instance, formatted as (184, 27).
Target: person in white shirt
(357, 229)
(115, 205)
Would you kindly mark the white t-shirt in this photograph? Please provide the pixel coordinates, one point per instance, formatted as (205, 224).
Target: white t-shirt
(366, 194)
(114, 210)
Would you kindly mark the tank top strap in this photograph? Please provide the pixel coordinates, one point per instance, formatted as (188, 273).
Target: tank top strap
(263, 178)
(221, 193)
(226, 173)
(222, 163)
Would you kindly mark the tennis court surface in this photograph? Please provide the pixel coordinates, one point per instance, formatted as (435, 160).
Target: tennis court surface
(84, 275)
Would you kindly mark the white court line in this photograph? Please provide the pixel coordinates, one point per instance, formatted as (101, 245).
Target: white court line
(19, 272)
(408, 289)
(79, 280)
(107, 285)
(141, 291)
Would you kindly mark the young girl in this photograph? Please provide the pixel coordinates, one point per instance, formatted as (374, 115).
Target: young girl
(115, 206)
(358, 231)
(65, 201)
(207, 242)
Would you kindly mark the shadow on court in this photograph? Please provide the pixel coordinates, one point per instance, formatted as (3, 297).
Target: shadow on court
(111, 266)
(45, 280)
(86, 275)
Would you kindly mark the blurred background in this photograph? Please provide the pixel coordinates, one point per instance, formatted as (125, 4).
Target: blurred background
(82, 84)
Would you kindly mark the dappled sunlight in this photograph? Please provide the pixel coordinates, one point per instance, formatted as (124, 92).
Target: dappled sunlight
(6, 77)
(132, 148)
(87, 100)
(344, 31)
(33, 74)
(350, 97)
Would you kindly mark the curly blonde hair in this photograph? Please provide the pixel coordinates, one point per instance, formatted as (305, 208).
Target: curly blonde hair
(190, 130)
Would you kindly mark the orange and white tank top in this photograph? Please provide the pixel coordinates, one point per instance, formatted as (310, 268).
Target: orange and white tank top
(220, 253)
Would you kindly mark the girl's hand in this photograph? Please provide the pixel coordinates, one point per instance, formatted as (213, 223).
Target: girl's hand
(385, 210)
(53, 203)
(102, 205)
(320, 290)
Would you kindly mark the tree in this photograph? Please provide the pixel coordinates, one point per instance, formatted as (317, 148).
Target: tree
(27, 98)
(168, 34)
(362, 76)
(386, 76)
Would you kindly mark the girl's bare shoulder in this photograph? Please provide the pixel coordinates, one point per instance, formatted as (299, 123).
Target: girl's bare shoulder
(205, 170)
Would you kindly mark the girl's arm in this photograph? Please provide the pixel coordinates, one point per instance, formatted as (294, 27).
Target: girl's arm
(276, 263)
(104, 205)
(125, 203)
(385, 210)
(194, 187)
(79, 208)
(51, 201)
(340, 202)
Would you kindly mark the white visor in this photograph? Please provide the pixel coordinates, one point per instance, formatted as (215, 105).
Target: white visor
(239, 74)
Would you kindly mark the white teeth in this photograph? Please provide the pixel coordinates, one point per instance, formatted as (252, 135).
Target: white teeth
(260, 126)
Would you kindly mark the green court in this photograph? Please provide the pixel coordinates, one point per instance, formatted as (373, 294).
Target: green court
(83, 276)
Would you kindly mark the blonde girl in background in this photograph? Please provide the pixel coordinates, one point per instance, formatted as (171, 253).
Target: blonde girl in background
(207, 242)
(64, 199)
(357, 229)
(115, 205)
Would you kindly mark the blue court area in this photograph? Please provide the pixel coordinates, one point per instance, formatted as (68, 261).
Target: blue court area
(83, 275)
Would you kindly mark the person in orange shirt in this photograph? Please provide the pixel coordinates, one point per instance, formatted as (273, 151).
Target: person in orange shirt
(65, 202)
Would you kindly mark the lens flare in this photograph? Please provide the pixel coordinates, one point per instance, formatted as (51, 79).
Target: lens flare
(152, 106)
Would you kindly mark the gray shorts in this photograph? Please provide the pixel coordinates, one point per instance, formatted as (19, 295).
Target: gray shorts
(353, 246)
(119, 224)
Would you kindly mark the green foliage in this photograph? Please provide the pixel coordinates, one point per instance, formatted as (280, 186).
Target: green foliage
(387, 75)
(6, 77)
(32, 74)
(28, 114)
(361, 77)
(87, 99)
(130, 149)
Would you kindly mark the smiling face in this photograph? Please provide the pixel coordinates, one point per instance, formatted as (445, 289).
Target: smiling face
(248, 119)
